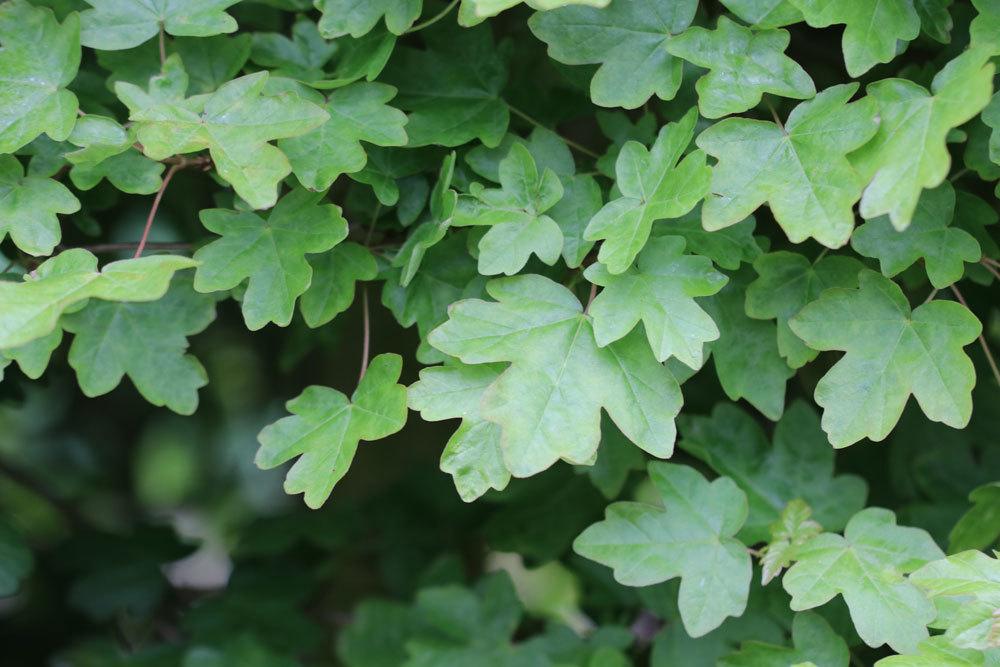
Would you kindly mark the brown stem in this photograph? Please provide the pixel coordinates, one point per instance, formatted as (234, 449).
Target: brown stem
(590, 299)
(367, 333)
(982, 340)
(116, 247)
(163, 47)
(156, 204)
(989, 267)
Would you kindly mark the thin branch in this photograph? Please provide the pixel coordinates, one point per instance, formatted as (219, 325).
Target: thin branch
(117, 247)
(434, 19)
(982, 340)
(930, 297)
(367, 336)
(569, 142)
(777, 119)
(958, 174)
(371, 226)
(156, 204)
(990, 260)
(821, 255)
(163, 47)
(590, 299)
(989, 267)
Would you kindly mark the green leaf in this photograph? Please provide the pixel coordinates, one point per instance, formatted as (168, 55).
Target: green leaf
(146, 341)
(746, 354)
(789, 533)
(654, 186)
(691, 537)
(581, 200)
(348, 17)
(866, 566)
(660, 292)
(326, 426)
(872, 29)
(891, 354)
(113, 25)
(935, 20)
(985, 28)
(270, 253)
(28, 208)
(234, 123)
(979, 527)
(799, 465)
(548, 402)
(245, 651)
(815, 643)
(765, 13)
(302, 56)
(130, 172)
(515, 215)
(16, 561)
(443, 201)
(930, 237)
(788, 281)
(909, 152)
(334, 278)
(728, 247)
(991, 117)
(32, 308)
(472, 12)
(743, 65)
(800, 170)
(626, 39)
(39, 59)
(451, 90)
(358, 112)
(939, 652)
(472, 455)
(971, 579)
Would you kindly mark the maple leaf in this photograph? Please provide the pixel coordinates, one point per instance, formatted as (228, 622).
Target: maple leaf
(269, 253)
(349, 17)
(28, 208)
(691, 537)
(325, 428)
(765, 13)
(121, 24)
(892, 352)
(334, 277)
(548, 402)
(970, 579)
(443, 201)
(815, 644)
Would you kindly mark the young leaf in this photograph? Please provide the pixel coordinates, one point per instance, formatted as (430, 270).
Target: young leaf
(548, 402)
(270, 253)
(147, 342)
(358, 112)
(799, 465)
(515, 215)
(690, 537)
(39, 58)
(326, 426)
(653, 187)
(28, 208)
(30, 309)
(743, 65)
(815, 643)
(234, 123)
(334, 277)
(660, 292)
(891, 354)
(909, 152)
(866, 566)
(979, 527)
(930, 237)
(789, 533)
(348, 17)
(301, 56)
(872, 29)
(443, 201)
(972, 580)
(472, 455)
(121, 24)
(626, 39)
(800, 170)
(788, 281)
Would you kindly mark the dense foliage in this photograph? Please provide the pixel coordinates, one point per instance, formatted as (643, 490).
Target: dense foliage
(587, 331)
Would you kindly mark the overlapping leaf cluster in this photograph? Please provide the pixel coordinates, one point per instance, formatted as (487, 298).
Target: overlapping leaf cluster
(711, 189)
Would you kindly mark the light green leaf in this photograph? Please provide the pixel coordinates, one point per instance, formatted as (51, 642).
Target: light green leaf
(939, 652)
(113, 25)
(653, 187)
(991, 117)
(443, 201)
(325, 428)
(872, 29)
(98, 138)
(358, 112)
(799, 465)
(929, 237)
(39, 58)
(301, 56)
(909, 152)
(979, 527)
(548, 402)
(130, 172)
(765, 13)
(581, 200)
(788, 281)
(690, 537)
(349, 17)
(234, 123)
(815, 643)
(746, 354)
(515, 215)
(866, 566)
(626, 39)
(970, 579)
(334, 277)
(984, 32)
(800, 170)
(33, 357)
(743, 65)
(270, 253)
(146, 341)
(472, 455)
(660, 292)
(793, 529)
(28, 208)
(891, 354)
(30, 309)
(473, 12)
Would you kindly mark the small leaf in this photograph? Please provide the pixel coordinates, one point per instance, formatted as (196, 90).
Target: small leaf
(28, 208)
(334, 278)
(443, 201)
(789, 533)
(815, 644)
(979, 528)
(348, 17)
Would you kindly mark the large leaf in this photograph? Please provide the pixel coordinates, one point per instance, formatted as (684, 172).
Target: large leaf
(971, 581)
(121, 24)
